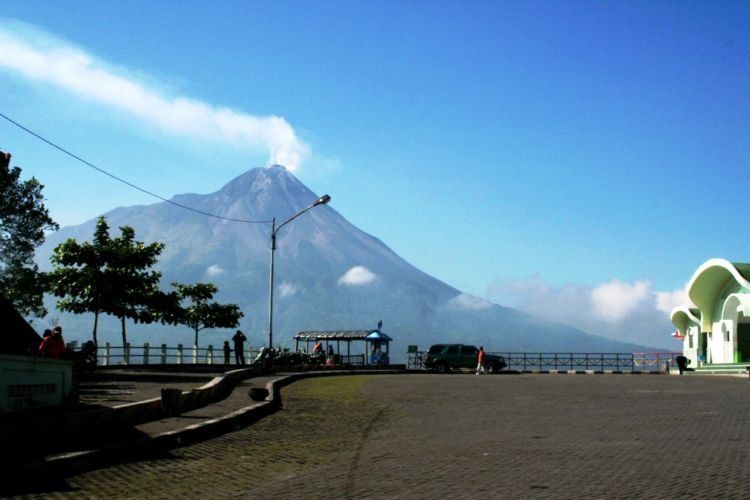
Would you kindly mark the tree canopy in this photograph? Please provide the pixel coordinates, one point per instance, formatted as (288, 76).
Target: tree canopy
(199, 312)
(23, 222)
(109, 275)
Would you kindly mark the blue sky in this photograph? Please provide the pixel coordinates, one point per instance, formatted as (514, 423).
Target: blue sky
(546, 155)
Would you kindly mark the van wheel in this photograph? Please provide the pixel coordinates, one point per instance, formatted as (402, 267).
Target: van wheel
(491, 368)
(443, 368)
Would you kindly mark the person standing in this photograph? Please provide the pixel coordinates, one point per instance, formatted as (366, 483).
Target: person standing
(239, 347)
(53, 346)
(227, 351)
(318, 347)
(480, 361)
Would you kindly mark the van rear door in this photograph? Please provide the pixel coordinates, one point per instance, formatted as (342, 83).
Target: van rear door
(468, 356)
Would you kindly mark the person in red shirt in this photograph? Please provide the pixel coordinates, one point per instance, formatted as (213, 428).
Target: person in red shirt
(318, 347)
(480, 361)
(53, 346)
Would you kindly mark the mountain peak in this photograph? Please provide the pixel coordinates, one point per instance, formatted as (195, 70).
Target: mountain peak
(265, 192)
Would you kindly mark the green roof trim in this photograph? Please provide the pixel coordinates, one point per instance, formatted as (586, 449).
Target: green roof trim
(743, 268)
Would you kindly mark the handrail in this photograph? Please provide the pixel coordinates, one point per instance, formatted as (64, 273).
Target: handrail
(163, 354)
(146, 354)
(578, 361)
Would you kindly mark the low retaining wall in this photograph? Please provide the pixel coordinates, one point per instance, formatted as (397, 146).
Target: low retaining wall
(28, 382)
(103, 455)
(90, 425)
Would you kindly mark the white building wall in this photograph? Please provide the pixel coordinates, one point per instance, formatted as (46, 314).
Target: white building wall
(690, 345)
(720, 349)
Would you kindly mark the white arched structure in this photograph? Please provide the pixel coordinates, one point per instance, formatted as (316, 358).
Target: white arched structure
(687, 321)
(719, 330)
(712, 280)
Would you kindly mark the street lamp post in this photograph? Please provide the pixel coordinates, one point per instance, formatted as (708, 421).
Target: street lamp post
(274, 231)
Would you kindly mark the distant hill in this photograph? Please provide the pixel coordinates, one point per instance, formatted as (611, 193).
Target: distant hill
(329, 275)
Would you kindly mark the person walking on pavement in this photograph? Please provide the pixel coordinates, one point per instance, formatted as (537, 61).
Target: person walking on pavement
(480, 361)
(239, 347)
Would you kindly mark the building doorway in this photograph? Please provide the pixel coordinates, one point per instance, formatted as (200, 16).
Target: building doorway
(743, 341)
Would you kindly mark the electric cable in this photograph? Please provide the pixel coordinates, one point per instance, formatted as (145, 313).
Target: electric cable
(134, 186)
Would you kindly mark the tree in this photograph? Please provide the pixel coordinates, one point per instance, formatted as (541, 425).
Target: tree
(136, 285)
(108, 275)
(201, 313)
(81, 275)
(23, 221)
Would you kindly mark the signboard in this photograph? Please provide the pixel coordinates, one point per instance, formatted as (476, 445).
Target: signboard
(412, 349)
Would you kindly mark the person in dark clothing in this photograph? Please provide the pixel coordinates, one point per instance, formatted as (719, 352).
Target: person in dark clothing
(239, 347)
(682, 363)
(227, 351)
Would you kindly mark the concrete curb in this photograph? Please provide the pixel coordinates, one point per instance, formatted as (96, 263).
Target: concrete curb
(79, 462)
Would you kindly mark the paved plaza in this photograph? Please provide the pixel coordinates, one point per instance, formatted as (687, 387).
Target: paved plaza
(464, 436)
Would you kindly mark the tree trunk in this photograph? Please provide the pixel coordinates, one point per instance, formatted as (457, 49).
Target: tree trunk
(96, 324)
(196, 338)
(124, 335)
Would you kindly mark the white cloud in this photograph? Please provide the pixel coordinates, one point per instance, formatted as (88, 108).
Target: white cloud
(41, 57)
(287, 289)
(358, 275)
(214, 271)
(666, 301)
(615, 300)
(470, 302)
(629, 312)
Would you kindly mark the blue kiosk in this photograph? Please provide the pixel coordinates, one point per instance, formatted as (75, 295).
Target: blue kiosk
(378, 344)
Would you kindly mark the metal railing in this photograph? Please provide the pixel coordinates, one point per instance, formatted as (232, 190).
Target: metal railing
(568, 361)
(614, 361)
(602, 361)
(146, 354)
(655, 361)
(415, 360)
(108, 355)
(352, 359)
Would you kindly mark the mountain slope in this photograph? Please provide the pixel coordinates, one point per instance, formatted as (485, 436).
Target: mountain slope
(329, 274)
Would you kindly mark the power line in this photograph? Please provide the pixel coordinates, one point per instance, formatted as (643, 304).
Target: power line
(101, 170)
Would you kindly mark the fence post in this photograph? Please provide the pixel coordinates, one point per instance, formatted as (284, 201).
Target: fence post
(195, 354)
(145, 353)
(164, 354)
(210, 355)
(179, 354)
(106, 354)
(126, 352)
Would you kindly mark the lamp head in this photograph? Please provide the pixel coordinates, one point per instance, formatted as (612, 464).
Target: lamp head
(322, 200)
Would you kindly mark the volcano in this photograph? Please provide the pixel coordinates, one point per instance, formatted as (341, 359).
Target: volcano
(330, 275)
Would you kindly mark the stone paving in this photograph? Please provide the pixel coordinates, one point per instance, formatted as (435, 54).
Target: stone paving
(461, 436)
